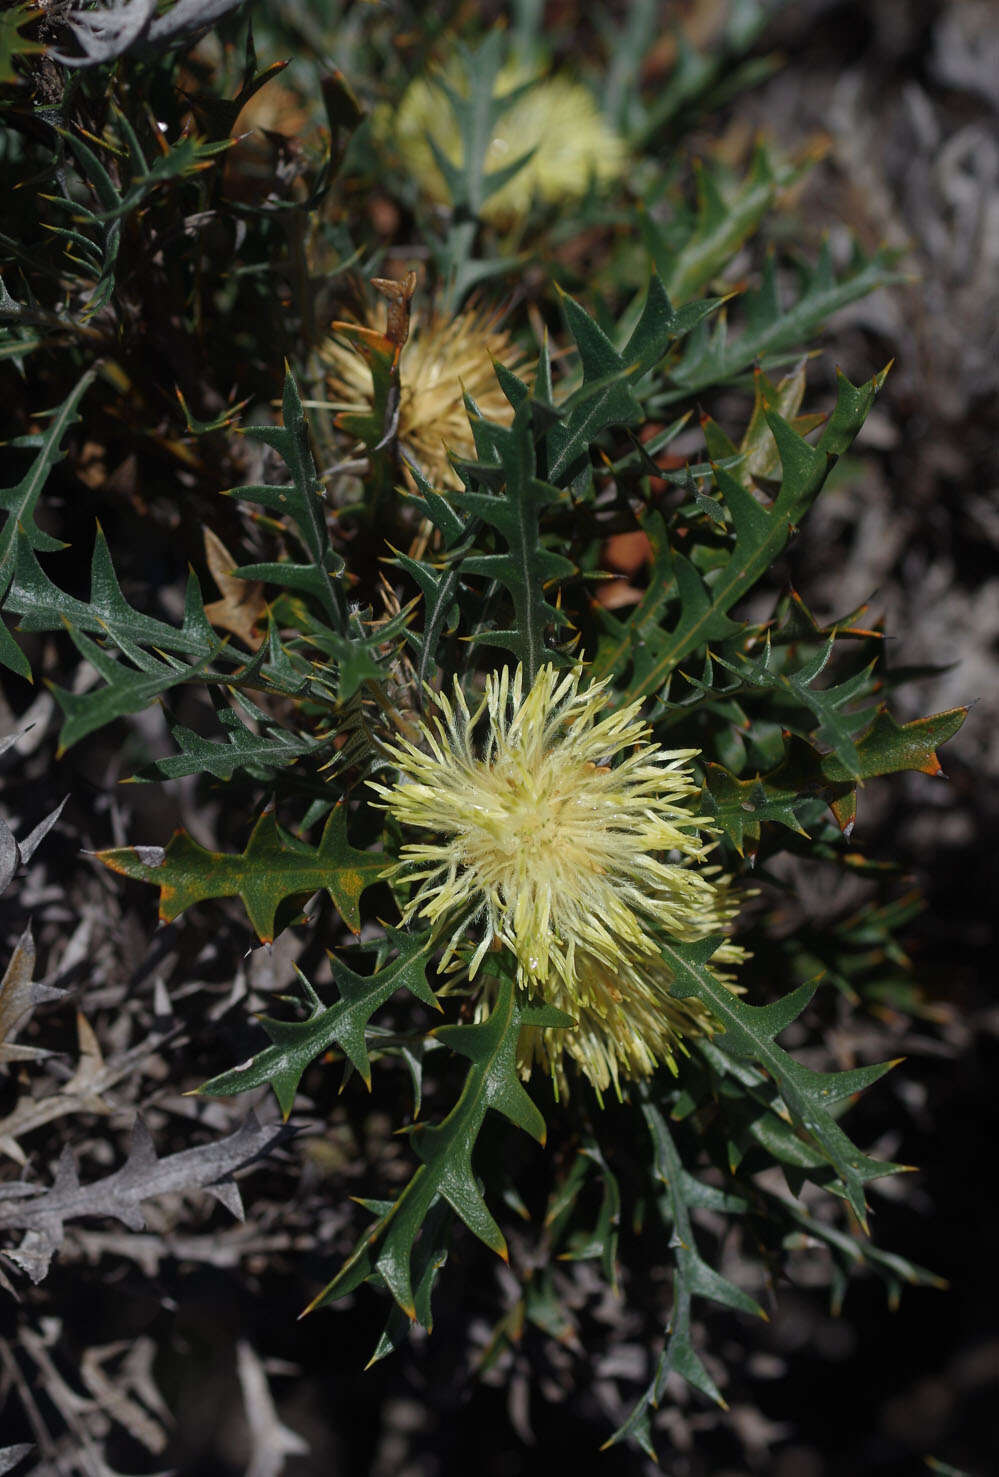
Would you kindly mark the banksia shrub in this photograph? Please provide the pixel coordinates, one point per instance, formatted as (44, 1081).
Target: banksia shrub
(417, 379)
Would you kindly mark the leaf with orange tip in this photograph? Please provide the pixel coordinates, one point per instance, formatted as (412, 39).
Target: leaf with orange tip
(221, 422)
(742, 805)
(381, 355)
(844, 809)
(888, 747)
(274, 866)
(795, 622)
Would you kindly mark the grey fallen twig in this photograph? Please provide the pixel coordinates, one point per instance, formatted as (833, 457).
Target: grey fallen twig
(42, 1213)
(270, 1441)
(11, 1455)
(109, 32)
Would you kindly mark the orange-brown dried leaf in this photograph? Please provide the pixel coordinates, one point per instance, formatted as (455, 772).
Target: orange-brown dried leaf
(242, 604)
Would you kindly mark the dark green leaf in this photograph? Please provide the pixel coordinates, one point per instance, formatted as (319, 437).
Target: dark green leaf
(302, 500)
(761, 533)
(527, 567)
(770, 332)
(606, 397)
(20, 531)
(296, 1044)
(692, 1277)
(446, 1151)
(748, 1033)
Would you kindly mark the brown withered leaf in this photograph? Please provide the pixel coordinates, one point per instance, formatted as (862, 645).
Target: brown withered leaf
(19, 995)
(617, 593)
(83, 1092)
(400, 298)
(626, 554)
(242, 603)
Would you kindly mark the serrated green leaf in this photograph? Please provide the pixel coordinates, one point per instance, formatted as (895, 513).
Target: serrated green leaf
(102, 253)
(643, 623)
(439, 589)
(127, 689)
(271, 749)
(742, 806)
(42, 606)
(296, 1044)
(726, 215)
(611, 374)
(166, 656)
(888, 747)
(448, 523)
(363, 653)
(188, 155)
(429, 1256)
(446, 1151)
(699, 81)
(527, 567)
(760, 536)
(600, 1243)
(476, 112)
(840, 708)
(20, 531)
(853, 1253)
(780, 795)
(13, 44)
(302, 500)
(273, 867)
(770, 331)
(692, 1277)
(748, 1032)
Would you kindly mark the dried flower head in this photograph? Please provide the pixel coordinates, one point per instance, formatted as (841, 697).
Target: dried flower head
(444, 358)
(557, 118)
(566, 838)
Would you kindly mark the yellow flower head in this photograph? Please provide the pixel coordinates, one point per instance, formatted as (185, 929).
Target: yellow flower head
(565, 837)
(443, 359)
(557, 118)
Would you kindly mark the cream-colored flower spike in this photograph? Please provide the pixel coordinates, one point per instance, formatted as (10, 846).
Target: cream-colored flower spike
(567, 838)
(556, 118)
(444, 358)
